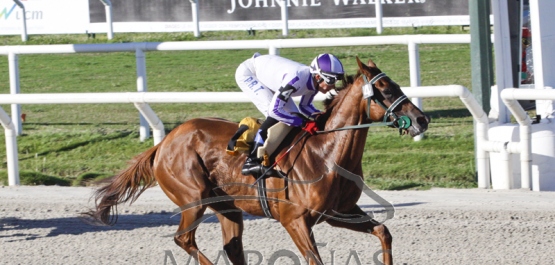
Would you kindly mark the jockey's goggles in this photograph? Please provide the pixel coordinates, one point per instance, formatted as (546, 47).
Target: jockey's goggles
(330, 79)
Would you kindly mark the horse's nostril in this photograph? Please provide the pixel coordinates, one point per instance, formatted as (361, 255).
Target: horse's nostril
(423, 120)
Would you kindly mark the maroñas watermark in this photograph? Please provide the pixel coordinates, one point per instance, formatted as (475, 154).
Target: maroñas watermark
(255, 257)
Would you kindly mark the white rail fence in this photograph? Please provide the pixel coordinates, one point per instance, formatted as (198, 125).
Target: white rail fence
(273, 46)
(141, 100)
(14, 128)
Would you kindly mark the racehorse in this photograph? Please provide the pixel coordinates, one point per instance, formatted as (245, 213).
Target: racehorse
(192, 168)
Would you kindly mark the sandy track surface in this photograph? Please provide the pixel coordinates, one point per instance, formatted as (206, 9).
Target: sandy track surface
(40, 225)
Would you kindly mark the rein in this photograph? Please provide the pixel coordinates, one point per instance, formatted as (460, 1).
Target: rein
(402, 122)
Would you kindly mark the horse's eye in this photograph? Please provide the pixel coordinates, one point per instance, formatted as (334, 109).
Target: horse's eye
(387, 92)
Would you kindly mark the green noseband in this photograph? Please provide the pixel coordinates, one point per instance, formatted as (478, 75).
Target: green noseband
(403, 122)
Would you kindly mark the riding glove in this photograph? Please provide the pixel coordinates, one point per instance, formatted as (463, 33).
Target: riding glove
(310, 127)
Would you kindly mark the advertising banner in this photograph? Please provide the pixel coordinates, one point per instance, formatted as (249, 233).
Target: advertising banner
(44, 16)
(80, 16)
(176, 15)
(249, 10)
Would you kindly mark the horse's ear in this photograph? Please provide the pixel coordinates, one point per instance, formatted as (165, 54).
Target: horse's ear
(360, 64)
(371, 64)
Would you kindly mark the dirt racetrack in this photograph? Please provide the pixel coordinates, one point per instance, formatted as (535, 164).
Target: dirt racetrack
(40, 225)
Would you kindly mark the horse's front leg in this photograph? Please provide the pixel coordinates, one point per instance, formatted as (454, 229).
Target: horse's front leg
(300, 232)
(231, 220)
(369, 226)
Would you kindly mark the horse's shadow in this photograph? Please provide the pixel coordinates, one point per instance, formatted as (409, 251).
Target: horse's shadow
(19, 229)
(14, 229)
(22, 228)
(397, 205)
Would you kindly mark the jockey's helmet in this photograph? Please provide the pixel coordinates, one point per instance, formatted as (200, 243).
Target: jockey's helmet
(328, 67)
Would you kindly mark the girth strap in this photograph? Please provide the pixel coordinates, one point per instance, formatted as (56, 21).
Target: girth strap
(263, 197)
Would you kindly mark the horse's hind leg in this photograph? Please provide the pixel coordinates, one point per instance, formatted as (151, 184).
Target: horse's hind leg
(231, 220)
(370, 226)
(185, 236)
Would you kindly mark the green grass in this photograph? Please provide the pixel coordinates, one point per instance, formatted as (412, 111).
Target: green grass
(70, 144)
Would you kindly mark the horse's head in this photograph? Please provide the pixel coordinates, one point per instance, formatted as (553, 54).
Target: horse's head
(383, 100)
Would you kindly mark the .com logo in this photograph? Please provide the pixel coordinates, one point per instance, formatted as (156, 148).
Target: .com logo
(5, 13)
(29, 15)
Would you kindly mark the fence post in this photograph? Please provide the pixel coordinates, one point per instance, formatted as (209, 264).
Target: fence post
(379, 17)
(194, 10)
(108, 9)
(414, 66)
(284, 18)
(503, 60)
(13, 64)
(144, 130)
(272, 50)
(11, 148)
(23, 19)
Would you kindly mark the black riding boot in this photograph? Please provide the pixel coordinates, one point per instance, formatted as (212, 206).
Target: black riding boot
(253, 164)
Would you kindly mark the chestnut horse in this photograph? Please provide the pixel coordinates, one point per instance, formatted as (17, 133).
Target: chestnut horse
(192, 168)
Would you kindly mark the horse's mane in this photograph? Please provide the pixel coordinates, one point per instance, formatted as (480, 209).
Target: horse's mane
(347, 83)
(334, 99)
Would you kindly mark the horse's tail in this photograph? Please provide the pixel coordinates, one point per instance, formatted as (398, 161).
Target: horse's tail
(124, 187)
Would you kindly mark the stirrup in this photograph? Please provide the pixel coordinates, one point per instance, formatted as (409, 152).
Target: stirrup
(255, 168)
(252, 167)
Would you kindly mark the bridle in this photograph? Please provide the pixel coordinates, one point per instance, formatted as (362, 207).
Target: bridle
(400, 122)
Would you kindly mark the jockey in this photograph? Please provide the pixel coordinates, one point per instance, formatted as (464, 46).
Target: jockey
(271, 81)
